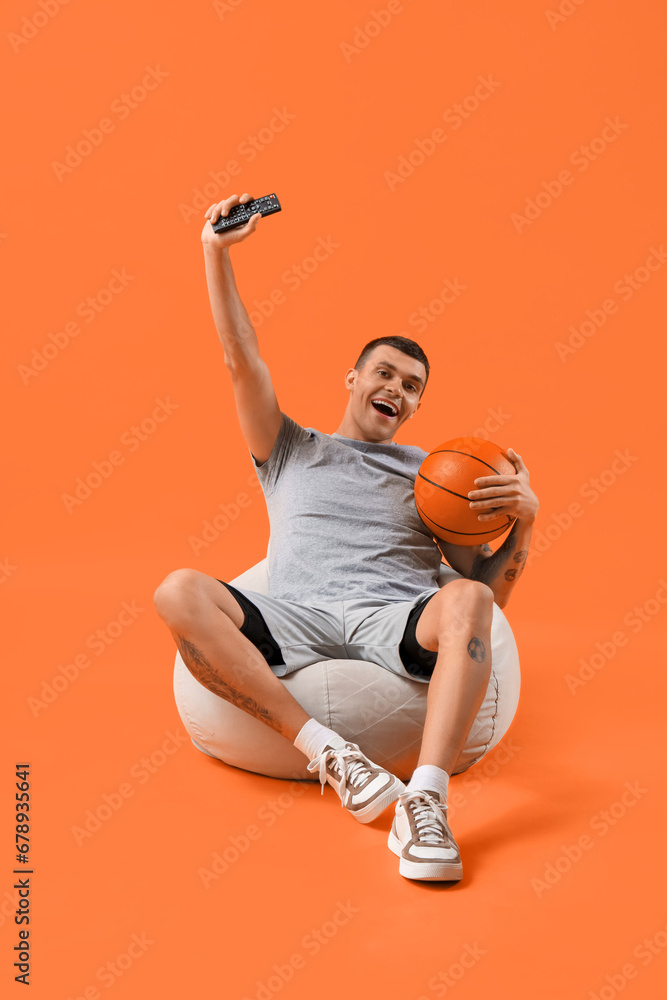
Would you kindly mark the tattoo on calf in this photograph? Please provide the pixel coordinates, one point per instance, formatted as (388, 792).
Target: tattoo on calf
(477, 650)
(196, 662)
(191, 654)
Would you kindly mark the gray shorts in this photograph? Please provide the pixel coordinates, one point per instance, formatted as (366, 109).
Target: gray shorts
(359, 629)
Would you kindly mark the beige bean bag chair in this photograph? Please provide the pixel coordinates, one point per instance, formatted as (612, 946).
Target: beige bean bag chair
(381, 711)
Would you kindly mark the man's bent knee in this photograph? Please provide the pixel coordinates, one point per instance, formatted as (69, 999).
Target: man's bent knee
(183, 592)
(452, 612)
(448, 615)
(466, 593)
(176, 591)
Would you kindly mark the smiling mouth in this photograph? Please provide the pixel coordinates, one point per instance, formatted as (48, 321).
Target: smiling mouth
(385, 408)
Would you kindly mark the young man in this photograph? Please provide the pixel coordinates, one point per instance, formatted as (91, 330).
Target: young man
(353, 573)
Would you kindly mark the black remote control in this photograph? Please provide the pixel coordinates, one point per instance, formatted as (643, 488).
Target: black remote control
(240, 214)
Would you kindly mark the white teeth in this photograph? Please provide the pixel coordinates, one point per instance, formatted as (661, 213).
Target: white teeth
(379, 399)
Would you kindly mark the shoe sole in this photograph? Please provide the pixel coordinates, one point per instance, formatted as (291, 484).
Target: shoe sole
(434, 871)
(366, 814)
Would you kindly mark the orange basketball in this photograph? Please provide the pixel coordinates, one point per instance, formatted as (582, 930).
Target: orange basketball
(442, 485)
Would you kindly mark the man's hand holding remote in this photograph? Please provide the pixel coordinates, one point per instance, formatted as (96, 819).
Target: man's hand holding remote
(221, 241)
(232, 322)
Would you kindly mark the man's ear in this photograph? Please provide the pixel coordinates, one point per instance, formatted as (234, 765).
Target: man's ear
(350, 377)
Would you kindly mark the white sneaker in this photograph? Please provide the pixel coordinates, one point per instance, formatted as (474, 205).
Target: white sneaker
(421, 838)
(364, 788)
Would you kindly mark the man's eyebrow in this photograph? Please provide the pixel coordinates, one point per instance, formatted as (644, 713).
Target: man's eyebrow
(388, 364)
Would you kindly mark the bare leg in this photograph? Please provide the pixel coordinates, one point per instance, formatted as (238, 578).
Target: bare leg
(204, 619)
(457, 623)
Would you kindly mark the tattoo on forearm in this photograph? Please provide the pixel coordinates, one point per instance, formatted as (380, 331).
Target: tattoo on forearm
(476, 650)
(510, 574)
(520, 556)
(484, 568)
(199, 666)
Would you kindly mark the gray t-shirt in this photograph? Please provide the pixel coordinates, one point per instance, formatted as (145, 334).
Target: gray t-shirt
(343, 519)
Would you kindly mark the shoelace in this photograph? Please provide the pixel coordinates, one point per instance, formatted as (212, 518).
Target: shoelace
(356, 771)
(429, 817)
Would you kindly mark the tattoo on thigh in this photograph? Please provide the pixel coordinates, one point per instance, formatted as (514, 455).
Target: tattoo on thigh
(477, 650)
(199, 666)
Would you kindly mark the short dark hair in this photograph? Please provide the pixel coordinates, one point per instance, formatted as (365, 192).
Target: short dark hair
(409, 347)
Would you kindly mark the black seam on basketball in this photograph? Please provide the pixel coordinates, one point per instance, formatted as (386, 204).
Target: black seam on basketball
(468, 534)
(453, 492)
(453, 451)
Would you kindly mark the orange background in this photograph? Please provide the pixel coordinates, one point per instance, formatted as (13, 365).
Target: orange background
(568, 755)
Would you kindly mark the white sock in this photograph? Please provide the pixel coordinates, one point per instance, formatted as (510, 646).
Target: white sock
(313, 737)
(428, 776)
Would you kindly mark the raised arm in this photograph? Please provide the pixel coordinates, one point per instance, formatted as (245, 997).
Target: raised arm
(256, 403)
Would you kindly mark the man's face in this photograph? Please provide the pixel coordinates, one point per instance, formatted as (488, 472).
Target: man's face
(385, 392)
